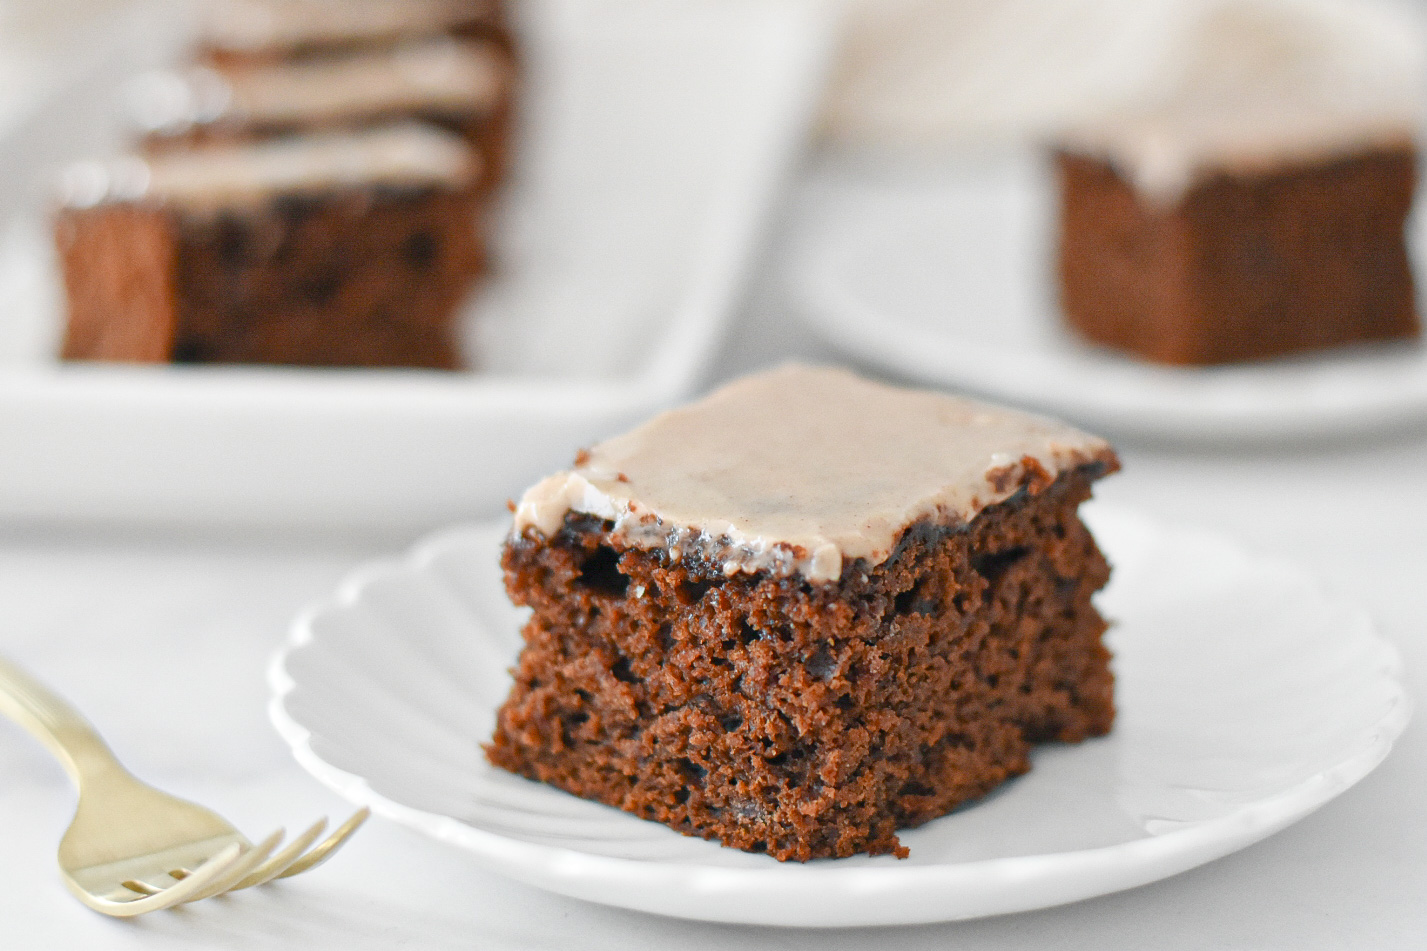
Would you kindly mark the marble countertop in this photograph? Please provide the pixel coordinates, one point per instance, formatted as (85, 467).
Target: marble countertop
(163, 639)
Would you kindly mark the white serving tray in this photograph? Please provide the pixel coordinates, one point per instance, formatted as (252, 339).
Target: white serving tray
(656, 137)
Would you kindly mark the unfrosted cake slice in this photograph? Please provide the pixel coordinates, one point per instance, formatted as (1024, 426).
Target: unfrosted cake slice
(807, 611)
(340, 249)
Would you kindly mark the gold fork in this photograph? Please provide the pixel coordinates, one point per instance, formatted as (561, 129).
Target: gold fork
(132, 849)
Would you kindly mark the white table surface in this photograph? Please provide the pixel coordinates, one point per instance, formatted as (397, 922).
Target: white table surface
(163, 640)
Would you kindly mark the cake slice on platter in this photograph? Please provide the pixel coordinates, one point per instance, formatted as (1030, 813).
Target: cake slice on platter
(242, 33)
(463, 85)
(340, 249)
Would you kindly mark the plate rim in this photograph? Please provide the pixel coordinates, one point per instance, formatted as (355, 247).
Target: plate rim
(562, 870)
(855, 326)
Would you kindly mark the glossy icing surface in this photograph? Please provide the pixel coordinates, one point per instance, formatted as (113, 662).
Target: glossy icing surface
(1262, 84)
(801, 469)
(437, 75)
(220, 176)
(246, 25)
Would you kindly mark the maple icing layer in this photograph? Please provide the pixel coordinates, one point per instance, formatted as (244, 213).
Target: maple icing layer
(1262, 85)
(804, 469)
(437, 76)
(220, 176)
(248, 25)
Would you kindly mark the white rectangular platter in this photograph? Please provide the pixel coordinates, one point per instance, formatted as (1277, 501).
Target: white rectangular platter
(655, 138)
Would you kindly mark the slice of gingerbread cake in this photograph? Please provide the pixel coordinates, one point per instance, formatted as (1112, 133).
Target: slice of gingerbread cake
(463, 85)
(241, 33)
(1253, 204)
(807, 611)
(1240, 250)
(351, 249)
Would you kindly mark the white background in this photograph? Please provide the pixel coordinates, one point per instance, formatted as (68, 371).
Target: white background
(163, 640)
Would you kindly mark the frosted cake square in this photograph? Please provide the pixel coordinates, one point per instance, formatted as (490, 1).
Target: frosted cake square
(807, 611)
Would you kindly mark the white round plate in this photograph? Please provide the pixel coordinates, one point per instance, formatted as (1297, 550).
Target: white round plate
(1247, 699)
(946, 276)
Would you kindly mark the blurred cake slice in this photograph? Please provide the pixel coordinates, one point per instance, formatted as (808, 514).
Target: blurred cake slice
(462, 85)
(244, 32)
(340, 249)
(1253, 203)
(1203, 239)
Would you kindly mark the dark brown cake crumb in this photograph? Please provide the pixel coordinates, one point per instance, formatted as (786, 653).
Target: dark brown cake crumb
(809, 720)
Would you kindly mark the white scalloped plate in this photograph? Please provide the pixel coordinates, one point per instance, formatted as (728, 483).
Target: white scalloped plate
(1248, 699)
(944, 275)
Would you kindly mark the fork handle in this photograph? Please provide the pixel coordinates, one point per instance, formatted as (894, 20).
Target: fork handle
(55, 723)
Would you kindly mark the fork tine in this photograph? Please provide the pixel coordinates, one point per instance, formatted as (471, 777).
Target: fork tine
(250, 860)
(279, 863)
(328, 846)
(219, 865)
(143, 888)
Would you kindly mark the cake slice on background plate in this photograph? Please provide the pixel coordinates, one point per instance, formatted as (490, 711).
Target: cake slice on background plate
(807, 611)
(1254, 204)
